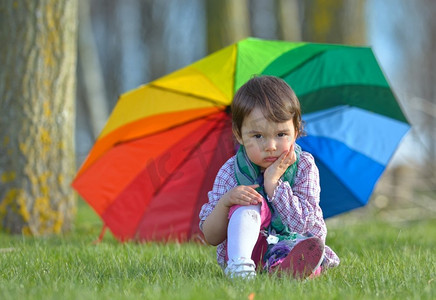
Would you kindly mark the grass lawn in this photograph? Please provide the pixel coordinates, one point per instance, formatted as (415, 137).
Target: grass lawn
(379, 260)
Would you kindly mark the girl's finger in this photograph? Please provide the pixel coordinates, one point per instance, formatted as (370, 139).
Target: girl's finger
(292, 156)
(252, 189)
(287, 158)
(282, 157)
(254, 196)
(247, 200)
(248, 192)
(249, 195)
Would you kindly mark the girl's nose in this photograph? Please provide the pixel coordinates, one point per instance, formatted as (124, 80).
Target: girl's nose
(270, 145)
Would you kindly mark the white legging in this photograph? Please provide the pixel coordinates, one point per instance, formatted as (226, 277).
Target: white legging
(243, 232)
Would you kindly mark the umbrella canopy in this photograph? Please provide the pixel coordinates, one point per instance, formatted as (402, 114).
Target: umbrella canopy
(149, 171)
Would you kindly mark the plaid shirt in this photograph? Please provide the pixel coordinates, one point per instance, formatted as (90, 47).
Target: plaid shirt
(298, 206)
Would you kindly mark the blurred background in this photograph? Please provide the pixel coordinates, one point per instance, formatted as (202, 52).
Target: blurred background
(127, 43)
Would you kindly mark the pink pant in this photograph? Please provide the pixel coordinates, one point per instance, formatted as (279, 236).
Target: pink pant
(261, 244)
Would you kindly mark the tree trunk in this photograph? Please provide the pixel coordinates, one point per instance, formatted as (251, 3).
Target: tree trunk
(93, 80)
(288, 15)
(323, 21)
(227, 23)
(354, 24)
(37, 93)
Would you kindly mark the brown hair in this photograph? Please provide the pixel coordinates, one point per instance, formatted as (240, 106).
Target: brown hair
(273, 96)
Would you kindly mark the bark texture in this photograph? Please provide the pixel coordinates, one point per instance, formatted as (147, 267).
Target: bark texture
(227, 23)
(37, 92)
(334, 21)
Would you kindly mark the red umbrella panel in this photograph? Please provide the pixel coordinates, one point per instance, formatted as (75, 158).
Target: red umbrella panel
(162, 201)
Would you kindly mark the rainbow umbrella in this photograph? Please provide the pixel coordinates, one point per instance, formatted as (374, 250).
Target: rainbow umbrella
(149, 171)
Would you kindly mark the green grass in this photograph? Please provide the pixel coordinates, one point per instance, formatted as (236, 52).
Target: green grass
(379, 261)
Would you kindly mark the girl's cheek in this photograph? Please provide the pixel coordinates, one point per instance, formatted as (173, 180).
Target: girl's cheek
(253, 144)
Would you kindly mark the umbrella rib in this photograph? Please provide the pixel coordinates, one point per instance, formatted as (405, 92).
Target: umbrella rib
(302, 64)
(394, 110)
(215, 102)
(187, 157)
(177, 168)
(342, 183)
(333, 111)
(166, 129)
(341, 85)
(203, 190)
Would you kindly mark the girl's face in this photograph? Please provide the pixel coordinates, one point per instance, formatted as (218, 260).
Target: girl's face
(265, 140)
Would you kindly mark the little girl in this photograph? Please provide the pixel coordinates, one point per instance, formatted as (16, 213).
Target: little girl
(264, 208)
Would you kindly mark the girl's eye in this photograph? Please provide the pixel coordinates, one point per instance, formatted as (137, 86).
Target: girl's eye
(257, 136)
(282, 134)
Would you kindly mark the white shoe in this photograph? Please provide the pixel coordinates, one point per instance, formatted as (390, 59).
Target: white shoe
(241, 267)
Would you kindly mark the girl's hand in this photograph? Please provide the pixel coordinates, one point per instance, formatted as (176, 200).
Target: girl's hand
(242, 195)
(277, 169)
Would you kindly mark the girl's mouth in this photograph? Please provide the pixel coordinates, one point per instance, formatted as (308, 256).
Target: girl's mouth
(270, 159)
